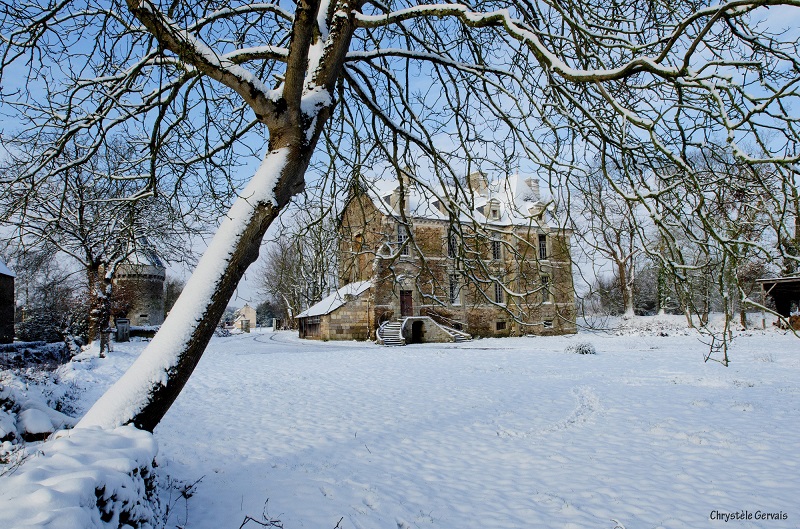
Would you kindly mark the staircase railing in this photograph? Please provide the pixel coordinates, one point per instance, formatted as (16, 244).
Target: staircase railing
(379, 332)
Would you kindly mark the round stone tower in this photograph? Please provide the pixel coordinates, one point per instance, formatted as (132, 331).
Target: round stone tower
(140, 280)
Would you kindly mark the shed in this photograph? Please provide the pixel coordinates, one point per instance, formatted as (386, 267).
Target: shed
(785, 292)
(6, 304)
(344, 315)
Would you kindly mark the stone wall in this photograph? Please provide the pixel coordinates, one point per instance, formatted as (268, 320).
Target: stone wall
(143, 287)
(369, 250)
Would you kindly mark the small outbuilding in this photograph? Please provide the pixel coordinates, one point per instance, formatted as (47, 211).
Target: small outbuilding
(245, 318)
(344, 315)
(785, 292)
(6, 304)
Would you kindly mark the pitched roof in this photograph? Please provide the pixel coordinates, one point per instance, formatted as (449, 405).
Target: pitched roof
(5, 271)
(336, 300)
(515, 199)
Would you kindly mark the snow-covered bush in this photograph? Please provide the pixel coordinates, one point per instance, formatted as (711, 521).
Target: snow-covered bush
(581, 348)
(88, 478)
(222, 332)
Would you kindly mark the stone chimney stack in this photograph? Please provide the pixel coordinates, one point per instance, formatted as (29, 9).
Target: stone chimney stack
(478, 183)
(533, 183)
(404, 179)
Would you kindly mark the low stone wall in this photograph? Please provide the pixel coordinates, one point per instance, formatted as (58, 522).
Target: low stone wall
(431, 332)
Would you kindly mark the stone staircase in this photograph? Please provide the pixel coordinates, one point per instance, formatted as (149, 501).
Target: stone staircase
(392, 333)
(458, 336)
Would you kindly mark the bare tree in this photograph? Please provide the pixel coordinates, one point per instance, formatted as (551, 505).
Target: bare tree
(299, 266)
(87, 214)
(608, 231)
(199, 85)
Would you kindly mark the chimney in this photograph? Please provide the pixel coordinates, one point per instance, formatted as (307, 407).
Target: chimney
(478, 183)
(403, 179)
(533, 183)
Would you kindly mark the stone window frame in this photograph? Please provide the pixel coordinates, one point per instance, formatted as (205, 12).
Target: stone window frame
(497, 250)
(499, 293)
(402, 237)
(542, 246)
(546, 283)
(454, 293)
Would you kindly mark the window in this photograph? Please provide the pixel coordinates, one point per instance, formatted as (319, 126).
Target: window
(452, 245)
(402, 237)
(545, 289)
(547, 324)
(496, 249)
(542, 246)
(498, 293)
(454, 290)
(495, 214)
(500, 326)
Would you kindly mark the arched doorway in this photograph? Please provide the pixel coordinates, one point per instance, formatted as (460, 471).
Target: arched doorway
(417, 332)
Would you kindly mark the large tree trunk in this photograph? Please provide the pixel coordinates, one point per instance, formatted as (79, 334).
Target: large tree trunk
(100, 308)
(146, 391)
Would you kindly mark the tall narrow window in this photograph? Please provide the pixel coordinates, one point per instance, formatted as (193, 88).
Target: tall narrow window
(454, 290)
(545, 289)
(496, 250)
(542, 246)
(402, 237)
(498, 293)
(452, 245)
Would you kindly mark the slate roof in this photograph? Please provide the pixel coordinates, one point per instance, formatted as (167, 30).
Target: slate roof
(336, 300)
(516, 199)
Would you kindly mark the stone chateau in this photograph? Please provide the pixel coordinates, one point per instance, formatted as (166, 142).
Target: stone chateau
(500, 267)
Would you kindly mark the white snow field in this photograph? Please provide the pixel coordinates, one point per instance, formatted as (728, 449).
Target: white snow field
(493, 433)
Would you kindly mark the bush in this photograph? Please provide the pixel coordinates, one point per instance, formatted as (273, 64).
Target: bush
(581, 348)
(39, 328)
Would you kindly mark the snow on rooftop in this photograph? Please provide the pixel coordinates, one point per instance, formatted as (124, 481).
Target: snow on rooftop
(336, 300)
(515, 200)
(5, 271)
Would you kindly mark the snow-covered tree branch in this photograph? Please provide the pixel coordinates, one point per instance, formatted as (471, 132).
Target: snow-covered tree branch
(206, 92)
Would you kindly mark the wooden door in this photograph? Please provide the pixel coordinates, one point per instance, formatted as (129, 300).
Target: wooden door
(406, 304)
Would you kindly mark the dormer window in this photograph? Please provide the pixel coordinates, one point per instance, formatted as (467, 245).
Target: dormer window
(495, 214)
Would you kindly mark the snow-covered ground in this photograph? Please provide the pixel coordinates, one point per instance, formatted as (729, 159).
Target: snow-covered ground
(493, 433)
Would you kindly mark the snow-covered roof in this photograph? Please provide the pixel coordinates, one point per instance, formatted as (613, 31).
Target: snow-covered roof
(336, 300)
(5, 271)
(515, 200)
(144, 257)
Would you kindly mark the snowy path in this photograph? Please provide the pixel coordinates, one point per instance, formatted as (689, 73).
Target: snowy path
(494, 434)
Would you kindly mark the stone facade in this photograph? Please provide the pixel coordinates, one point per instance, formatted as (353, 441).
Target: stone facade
(344, 315)
(141, 282)
(503, 276)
